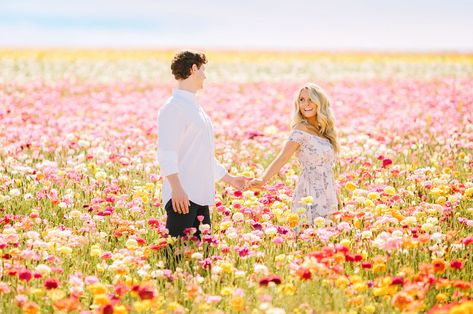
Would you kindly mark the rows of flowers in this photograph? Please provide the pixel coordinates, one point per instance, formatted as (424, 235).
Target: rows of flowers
(82, 223)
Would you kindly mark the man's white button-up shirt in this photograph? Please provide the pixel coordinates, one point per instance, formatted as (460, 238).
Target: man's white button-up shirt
(186, 147)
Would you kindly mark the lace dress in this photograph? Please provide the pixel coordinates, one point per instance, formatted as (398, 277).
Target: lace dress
(316, 157)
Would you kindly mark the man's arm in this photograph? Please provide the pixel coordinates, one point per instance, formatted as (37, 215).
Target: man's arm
(170, 130)
(220, 173)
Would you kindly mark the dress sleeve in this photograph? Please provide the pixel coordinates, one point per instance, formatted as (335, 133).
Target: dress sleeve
(297, 136)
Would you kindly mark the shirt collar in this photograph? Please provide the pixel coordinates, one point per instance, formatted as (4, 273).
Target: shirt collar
(189, 96)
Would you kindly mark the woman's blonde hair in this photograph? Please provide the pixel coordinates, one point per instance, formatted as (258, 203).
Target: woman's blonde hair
(325, 120)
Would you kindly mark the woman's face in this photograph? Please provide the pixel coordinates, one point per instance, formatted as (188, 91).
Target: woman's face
(307, 108)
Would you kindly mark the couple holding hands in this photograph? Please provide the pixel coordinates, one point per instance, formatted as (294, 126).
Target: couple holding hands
(186, 152)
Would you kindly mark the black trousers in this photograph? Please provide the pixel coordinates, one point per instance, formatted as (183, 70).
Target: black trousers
(178, 223)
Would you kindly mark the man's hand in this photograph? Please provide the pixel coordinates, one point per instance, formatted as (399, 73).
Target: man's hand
(180, 201)
(255, 184)
(179, 198)
(239, 182)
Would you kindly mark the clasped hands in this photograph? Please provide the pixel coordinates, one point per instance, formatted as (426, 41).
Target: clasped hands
(245, 183)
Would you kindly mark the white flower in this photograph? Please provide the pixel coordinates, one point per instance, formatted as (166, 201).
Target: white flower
(43, 269)
(367, 234)
(397, 234)
(260, 269)
(15, 192)
(197, 255)
(238, 217)
(271, 231)
(204, 227)
(437, 237)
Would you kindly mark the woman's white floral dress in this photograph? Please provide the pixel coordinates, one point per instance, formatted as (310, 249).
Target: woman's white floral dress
(316, 157)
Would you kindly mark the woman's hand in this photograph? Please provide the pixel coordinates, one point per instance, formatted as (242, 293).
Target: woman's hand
(256, 183)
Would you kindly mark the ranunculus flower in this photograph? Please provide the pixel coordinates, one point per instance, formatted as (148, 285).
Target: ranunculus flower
(25, 275)
(456, 264)
(51, 283)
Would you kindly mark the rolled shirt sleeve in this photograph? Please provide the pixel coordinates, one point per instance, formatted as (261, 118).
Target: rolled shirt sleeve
(170, 130)
(219, 170)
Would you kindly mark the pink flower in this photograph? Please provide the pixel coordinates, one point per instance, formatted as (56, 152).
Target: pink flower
(468, 240)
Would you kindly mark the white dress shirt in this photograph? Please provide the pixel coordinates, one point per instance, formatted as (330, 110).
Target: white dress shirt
(186, 147)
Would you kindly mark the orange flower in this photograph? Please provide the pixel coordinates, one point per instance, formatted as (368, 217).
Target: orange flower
(439, 265)
(461, 284)
(402, 300)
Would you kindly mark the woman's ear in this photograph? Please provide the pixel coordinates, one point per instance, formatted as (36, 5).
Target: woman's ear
(194, 68)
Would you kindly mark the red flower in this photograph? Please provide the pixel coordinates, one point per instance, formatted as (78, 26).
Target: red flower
(146, 293)
(238, 193)
(304, 273)
(387, 162)
(107, 309)
(271, 278)
(456, 264)
(25, 275)
(399, 280)
(51, 283)
(366, 265)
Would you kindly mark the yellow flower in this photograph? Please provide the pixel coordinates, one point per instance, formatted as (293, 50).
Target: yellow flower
(225, 225)
(237, 304)
(97, 288)
(131, 244)
(342, 282)
(227, 267)
(468, 192)
(346, 242)
(95, 250)
(142, 306)
(119, 309)
(308, 200)
(464, 308)
(174, 306)
(390, 190)
(293, 220)
(101, 299)
(360, 287)
(379, 268)
(441, 298)
(65, 250)
(441, 200)
(373, 196)
(319, 221)
(226, 291)
(369, 309)
(350, 186)
(287, 289)
(56, 294)
(377, 292)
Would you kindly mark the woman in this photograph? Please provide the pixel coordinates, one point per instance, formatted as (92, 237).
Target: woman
(314, 140)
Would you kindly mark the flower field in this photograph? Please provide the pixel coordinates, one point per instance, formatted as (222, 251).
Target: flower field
(82, 226)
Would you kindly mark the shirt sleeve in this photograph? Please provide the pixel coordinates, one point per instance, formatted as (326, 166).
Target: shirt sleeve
(170, 131)
(297, 136)
(219, 170)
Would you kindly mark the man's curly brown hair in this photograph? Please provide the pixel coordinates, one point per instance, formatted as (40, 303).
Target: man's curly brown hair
(182, 63)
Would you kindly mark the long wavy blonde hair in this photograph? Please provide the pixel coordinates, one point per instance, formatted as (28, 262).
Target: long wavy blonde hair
(325, 120)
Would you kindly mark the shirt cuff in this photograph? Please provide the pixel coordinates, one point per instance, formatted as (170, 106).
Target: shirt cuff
(219, 171)
(167, 163)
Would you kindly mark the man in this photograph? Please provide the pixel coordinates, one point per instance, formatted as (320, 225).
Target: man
(186, 151)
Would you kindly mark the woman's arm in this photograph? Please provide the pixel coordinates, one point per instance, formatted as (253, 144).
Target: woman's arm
(283, 157)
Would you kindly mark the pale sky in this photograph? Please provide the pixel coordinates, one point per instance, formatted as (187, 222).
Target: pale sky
(409, 25)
